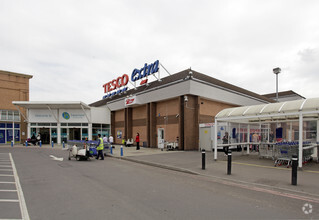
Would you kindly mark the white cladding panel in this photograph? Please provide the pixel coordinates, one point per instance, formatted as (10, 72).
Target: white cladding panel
(167, 92)
(222, 95)
(101, 115)
(74, 115)
(42, 115)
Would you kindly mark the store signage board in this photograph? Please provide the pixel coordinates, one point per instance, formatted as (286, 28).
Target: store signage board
(120, 84)
(131, 101)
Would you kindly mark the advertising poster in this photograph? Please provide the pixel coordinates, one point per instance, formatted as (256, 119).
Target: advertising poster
(119, 134)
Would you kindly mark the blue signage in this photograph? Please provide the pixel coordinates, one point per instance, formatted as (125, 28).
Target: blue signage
(145, 71)
(137, 74)
(66, 115)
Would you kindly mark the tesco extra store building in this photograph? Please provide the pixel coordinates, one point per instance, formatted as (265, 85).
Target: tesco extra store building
(169, 109)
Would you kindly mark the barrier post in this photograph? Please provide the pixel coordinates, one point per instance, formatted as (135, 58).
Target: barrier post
(52, 144)
(294, 170)
(12, 143)
(121, 150)
(111, 150)
(229, 162)
(63, 145)
(203, 159)
(40, 143)
(26, 143)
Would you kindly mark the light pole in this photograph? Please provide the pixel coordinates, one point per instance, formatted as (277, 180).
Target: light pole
(276, 71)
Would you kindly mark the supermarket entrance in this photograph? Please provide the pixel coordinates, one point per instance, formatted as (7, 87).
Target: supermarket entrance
(74, 133)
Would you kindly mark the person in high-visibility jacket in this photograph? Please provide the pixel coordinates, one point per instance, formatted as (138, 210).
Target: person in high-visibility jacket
(99, 148)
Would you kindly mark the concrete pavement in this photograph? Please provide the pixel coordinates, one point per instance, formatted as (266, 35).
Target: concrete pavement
(248, 170)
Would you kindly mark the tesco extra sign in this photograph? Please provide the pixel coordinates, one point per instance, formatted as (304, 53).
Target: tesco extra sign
(122, 81)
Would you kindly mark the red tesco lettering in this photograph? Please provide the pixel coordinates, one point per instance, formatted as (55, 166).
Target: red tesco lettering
(116, 83)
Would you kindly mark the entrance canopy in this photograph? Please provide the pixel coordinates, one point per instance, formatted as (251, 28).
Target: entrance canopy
(294, 118)
(51, 105)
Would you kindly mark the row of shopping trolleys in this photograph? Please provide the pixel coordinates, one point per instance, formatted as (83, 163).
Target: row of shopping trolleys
(282, 152)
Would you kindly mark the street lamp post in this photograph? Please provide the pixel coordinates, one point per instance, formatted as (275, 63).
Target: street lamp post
(276, 71)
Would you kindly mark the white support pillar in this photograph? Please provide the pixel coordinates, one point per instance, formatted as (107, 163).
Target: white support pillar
(90, 131)
(300, 140)
(59, 133)
(215, 140)
(248, 137)
(290, 132)
(28, 130)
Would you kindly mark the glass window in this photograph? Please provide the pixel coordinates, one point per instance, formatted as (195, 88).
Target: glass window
(16, 125)
(2, 125)
(85, 124)
(33, 132)
(16, 116)
(96, 125)
(54, 135)
(105, 126)
(10, 115)
(75, 124)
(9, 125)
(64, 124)
(64, 135)
(43, 124)
(4, 115)
(33, 124)
(54, 124)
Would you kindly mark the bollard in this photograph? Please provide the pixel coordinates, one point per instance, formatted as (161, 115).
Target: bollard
(294, 170)
(121, 151)
(63, 145)
(40, 143)
(12, 143)
(52, 144)
(203, 159)
(26, 143)
(229, 162)
(111, 150)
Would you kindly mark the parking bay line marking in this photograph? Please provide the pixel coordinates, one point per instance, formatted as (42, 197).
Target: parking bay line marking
(23, 205)
(9, 200)
(8, 190)
(6, 175)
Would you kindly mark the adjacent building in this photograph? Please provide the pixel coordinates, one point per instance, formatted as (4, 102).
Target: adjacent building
(13, 87)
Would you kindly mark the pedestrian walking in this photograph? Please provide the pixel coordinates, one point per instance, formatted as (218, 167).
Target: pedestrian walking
(137, 140)
(111, 140)
(105, 139)
(100, 147)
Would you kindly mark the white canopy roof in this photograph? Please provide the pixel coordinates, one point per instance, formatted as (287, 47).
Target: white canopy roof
(52, 105)
(279, 110)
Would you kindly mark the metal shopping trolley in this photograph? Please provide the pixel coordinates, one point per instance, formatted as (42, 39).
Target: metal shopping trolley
(284, 155)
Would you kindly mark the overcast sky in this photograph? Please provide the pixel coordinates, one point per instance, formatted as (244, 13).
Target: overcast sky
(73, 47)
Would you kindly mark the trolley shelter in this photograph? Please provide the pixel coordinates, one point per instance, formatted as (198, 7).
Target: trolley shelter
(272, 126)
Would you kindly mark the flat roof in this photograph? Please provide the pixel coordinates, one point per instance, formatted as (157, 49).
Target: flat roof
(51, 104)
